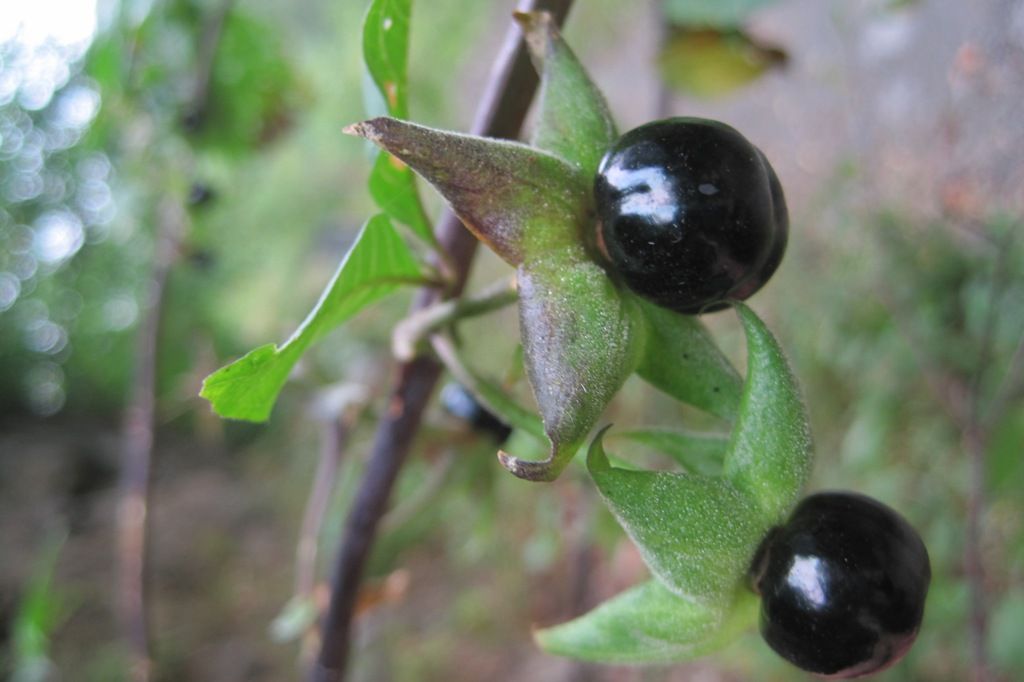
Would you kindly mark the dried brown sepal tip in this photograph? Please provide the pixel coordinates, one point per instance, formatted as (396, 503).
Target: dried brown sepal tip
(538, 30)
(537, 471)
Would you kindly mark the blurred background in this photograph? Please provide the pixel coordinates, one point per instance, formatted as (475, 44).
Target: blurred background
(175, 190)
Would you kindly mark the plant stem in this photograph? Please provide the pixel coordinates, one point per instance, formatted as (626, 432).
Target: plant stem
(422, 323)
(503, 107)
(137, 450)
(213, 28)
(334, 439)
(137, 436)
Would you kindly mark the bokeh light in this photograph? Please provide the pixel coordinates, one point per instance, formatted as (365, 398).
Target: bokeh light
(51, 202)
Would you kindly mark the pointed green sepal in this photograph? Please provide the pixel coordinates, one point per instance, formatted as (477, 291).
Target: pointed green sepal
(697, 534)
(682, 359)
(573, 120)
(770, 450)
(514, 198)
(378, 262)
(649, 624)
(697, 452)
(581, 340)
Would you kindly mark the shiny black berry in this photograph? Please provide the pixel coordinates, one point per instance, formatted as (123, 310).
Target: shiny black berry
(460, 403)
(842, 585)
(690, 214)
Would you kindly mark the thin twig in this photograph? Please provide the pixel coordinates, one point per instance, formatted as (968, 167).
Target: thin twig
(332, 445)
(137, 449)
(503, 107)
(422, 323)
(140, 415)
(582, 555)
(425, 494)
(209, 41)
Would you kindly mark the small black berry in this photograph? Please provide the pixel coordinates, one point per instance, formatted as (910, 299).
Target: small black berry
(842, 585)
(460, 403)
(691, 214)
(200, 194)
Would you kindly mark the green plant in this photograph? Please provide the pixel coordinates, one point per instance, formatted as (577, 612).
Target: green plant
(690, 214)
(582, 334)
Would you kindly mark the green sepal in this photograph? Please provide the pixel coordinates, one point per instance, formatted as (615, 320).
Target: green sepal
(514, 198)
(378, 262)
(649, 624)
(573, 120)
(581, 340)
(697, 452)
(770, 452)
(682, 359)
(697, 534)
(386, 55)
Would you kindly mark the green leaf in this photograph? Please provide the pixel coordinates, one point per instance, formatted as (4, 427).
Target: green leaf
(573, 120)
(386, 51)
(648, 624)
(727, 13)
(378, 262)
(294, 620)
(710, 62)
(697, 452)
(581, 340)
(41, 609)
(682, 359)
(697, 534)
(514, 198)
(770, 450)
(393, 188)
(386, 54)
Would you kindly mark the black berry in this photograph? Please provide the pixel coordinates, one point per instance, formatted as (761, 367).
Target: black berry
(200, 194)
(690, 213)
(460, 403)
(842, 585)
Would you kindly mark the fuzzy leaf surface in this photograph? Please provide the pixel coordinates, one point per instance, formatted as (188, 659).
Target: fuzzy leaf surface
(581, 340)
(648, 624)
(573, 120)
(682, 359)
(378, 262)
(770, 450)
(386, 55)
(697, 534)
(514, 198)
(696, 451)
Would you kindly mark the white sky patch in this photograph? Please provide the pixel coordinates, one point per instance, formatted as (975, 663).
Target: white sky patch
(35, 22)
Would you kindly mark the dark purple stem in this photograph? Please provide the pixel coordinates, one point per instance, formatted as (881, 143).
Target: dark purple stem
(503, 107)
